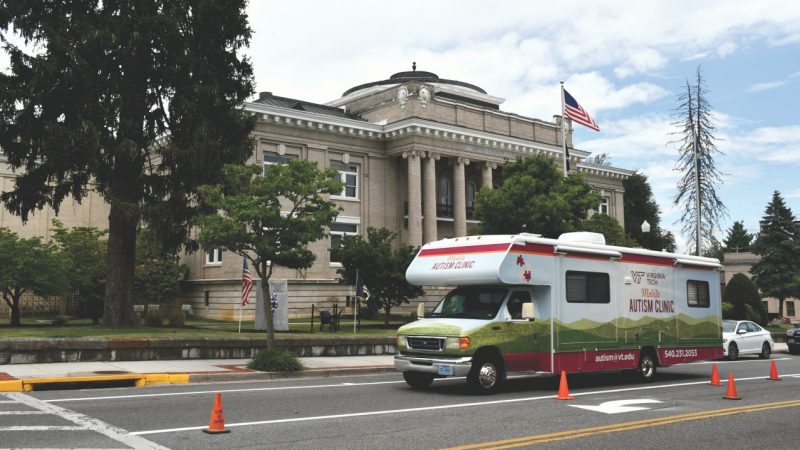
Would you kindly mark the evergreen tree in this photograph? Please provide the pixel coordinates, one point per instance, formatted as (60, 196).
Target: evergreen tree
(381, 266)
(738, 239)
(536, 198)
(742, 293)
(640, 205)
(697, 188)
(139, 100)
(269, 219)
(778, 244)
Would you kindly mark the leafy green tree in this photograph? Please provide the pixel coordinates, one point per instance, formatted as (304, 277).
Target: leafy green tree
(380, 265)
(610, 228)
(85, 250)
(29, 265)
(536, 198)
(269, 219)
(139, 100)
(743, 295)
(640, 206)
(738, 239)
(697, 189)
(158, 270)
(778, 244)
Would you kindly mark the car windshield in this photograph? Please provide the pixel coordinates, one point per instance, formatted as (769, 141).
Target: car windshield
(728, 326)
(479, 302)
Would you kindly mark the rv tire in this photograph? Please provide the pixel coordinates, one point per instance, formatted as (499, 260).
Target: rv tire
(418, 380)
(647, 367)
(486, 375)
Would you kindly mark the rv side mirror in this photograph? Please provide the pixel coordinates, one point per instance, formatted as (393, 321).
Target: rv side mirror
(528, 311)
(420, 310)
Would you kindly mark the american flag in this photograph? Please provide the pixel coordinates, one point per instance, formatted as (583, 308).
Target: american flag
(247, 283)
(576, 112)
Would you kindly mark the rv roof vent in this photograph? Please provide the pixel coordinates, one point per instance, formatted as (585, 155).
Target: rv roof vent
(582, 237)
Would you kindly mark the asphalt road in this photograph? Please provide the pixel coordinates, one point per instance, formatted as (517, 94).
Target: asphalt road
(679, 410)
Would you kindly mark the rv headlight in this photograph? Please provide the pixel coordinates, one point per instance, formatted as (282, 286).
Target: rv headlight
(458, 343)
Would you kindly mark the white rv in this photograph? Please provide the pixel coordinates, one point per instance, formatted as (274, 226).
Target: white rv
(523, 303)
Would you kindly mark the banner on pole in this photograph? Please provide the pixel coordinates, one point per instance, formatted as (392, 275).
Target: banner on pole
(280, 316)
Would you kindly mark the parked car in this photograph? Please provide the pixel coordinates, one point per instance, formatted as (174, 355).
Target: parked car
(742, 337)
(793, 339)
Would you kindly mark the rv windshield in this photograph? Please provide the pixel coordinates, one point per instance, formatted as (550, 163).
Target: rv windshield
(479, 302)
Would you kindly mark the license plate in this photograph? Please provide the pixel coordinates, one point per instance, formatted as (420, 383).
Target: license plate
(446, 371)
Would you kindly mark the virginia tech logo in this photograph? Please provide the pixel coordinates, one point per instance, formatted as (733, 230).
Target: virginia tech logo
(637, 276)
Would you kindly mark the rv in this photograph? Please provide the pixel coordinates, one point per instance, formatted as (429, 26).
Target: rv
(526, 304)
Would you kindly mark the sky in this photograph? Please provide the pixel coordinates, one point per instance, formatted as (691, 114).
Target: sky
(624, 61)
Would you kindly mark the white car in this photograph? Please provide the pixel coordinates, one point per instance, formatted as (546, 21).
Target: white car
(742, 337)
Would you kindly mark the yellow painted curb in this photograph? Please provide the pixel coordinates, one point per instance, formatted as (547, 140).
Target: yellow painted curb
(11, 386)
(166, 378)
(29, 383)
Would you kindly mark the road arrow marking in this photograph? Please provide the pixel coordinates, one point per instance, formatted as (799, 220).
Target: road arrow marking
(618, 406)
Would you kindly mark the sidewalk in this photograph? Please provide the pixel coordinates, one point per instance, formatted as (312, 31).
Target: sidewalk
(24, 377)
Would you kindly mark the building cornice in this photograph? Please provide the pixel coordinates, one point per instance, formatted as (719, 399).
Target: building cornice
(490, 144)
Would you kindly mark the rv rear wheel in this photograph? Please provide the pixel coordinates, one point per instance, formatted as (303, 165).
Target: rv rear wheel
(418, 380)
(647, 367)
(485, 376)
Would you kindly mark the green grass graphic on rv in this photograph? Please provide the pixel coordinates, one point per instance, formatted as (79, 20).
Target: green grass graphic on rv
(680, 329)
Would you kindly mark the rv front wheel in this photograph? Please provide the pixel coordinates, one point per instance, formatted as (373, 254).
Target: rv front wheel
(485, 375)
(418, 380)
(647, 367)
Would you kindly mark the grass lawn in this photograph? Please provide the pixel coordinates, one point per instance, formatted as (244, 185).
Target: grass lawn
(194, 328)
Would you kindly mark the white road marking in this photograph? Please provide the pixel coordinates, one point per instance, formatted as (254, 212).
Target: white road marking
(169, 394)
(618, 406)
(84, 423)
(434, 408)
(44, 428)
(21, 413)
(733, 362)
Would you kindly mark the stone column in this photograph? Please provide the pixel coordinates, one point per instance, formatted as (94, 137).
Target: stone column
(414, 199)
(459, 198)
(486, 174)
(429, 229)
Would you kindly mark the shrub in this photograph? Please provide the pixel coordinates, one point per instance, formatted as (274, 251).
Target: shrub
(153, 318)
(727, 311)
(275, 361)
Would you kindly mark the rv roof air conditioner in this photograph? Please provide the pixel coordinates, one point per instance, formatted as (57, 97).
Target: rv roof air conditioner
(582, 237)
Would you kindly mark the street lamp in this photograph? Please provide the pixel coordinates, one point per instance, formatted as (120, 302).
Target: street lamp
(645, 227)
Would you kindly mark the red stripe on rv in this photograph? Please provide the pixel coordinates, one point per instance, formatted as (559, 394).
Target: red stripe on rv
(488, 248)
(540, 249)
(647, 259)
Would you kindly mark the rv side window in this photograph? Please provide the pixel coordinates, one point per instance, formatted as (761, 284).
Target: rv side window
(588, 287)
(697, 293)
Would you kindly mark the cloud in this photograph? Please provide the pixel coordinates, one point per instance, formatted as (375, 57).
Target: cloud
(759, 87)
(726, 49)
(767, 144)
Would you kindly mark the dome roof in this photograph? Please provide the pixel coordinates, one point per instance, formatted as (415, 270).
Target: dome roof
(414, 75)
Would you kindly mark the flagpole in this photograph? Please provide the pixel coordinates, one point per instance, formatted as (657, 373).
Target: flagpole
(240, 316)
(564, 131)
(355, 305)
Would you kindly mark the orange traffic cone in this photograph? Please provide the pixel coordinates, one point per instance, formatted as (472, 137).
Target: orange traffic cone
(217, 423)
(731, 394)
(563, 389)
(715, 375)
(773, 372)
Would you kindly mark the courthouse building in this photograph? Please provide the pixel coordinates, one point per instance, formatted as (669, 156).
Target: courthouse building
(412, 151)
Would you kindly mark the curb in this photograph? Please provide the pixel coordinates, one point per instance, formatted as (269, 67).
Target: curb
(151, 379)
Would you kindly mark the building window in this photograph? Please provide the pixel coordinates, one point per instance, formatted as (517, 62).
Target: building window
(697, 293)
(790, 308)
(214, 257)
(472, 188)
(348, 175)
(338, 229)
(588, 287)
(273, 158)
(766, 305)
(207, 298)
(444, 206)
(603, 209)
